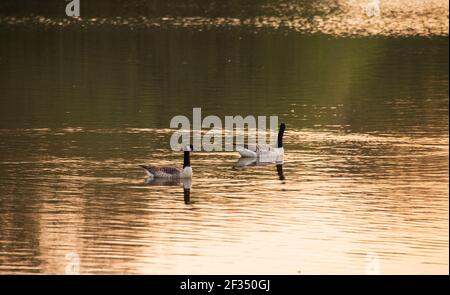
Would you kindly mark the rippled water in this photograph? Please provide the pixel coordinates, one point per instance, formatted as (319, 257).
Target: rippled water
(394, 18)
(364, 182)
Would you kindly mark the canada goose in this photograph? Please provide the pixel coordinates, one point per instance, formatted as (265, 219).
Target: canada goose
(265, 152)
(245, 162)
(172, 172)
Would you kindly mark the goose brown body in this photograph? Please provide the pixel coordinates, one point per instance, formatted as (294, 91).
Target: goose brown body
(171, 172)
(162, 172)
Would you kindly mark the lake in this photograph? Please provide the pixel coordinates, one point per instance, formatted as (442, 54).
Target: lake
(363, 188)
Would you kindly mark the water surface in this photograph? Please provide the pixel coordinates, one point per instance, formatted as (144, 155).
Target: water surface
(365, 176)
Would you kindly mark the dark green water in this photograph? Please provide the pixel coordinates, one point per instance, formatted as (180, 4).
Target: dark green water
(366, 165)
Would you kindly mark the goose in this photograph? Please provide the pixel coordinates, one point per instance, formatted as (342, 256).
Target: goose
(265, 152)
(246, 162)
(172, 172)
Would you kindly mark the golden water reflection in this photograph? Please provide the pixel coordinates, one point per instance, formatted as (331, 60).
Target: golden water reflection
(342, 197)
(341, 18)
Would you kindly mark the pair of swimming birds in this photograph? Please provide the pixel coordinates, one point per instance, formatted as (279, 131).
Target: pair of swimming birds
(263, 152)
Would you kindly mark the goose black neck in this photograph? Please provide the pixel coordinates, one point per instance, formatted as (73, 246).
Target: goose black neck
(280, 171)
(280, 138)
(187, 195)
(187, 160)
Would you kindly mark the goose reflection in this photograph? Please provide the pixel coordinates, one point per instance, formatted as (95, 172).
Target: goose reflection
(280, 171)
(247, 162)
(185, 182)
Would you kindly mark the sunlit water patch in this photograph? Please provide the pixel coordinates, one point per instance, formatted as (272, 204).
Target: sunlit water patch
(338, 18)
(336, 199)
